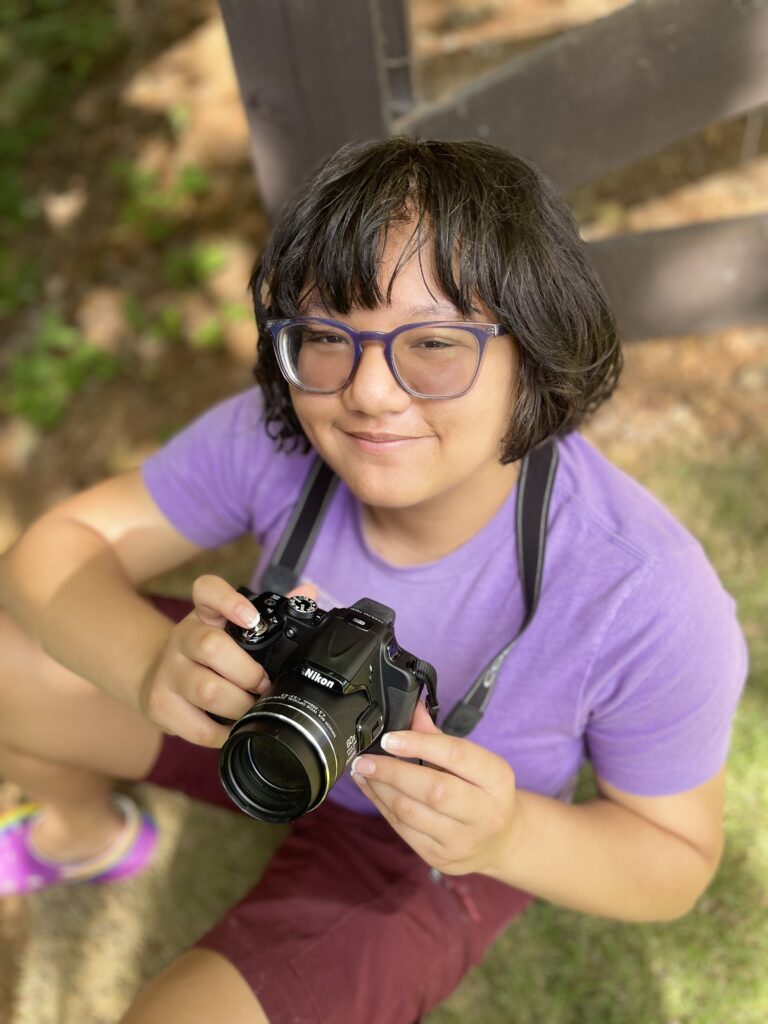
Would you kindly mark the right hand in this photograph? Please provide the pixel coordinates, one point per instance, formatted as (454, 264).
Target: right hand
(201, 668)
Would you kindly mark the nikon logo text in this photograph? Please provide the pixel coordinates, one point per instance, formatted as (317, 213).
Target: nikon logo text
(318, 677)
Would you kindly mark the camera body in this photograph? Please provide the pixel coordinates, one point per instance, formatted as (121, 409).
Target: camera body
(339, 680)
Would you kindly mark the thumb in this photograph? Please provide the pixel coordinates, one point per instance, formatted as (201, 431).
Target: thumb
(421, 720)
(304, 590)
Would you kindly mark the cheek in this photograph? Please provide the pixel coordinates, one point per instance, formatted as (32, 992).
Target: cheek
(311, 411)
(498, 391)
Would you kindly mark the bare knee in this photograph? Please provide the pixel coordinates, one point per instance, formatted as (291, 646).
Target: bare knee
(201, 987)
(48, 711)
(30, 679)
(24, 664)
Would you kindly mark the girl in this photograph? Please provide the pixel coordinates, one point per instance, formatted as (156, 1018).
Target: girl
(427, 319)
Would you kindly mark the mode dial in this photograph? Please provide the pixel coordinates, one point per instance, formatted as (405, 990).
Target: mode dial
(302, 607)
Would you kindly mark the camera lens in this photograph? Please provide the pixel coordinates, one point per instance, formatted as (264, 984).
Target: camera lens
(271, 770)
(282, 757)
(275, 764)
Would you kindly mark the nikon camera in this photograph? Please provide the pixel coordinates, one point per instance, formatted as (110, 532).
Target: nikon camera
(339, 680)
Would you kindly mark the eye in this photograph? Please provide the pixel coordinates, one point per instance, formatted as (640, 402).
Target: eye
(310, 337)
(433, 343)
(436, 342)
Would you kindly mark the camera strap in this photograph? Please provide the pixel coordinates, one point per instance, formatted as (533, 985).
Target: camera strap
(292, 551)
(534, 491)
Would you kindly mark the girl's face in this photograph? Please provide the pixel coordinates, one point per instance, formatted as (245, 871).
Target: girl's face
(394, 450)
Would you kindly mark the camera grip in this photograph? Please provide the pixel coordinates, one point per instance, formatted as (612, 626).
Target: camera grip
(401, 706)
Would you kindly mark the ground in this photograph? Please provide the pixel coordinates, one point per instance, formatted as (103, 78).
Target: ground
(146, 221)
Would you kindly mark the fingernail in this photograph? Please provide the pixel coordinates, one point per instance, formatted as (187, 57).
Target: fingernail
(391, 741)
(249, 617)
(363, 766)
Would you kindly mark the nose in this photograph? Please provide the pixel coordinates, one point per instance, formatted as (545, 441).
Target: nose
(373, 389)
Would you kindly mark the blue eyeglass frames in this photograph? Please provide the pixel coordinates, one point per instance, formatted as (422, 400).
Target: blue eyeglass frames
(427, 359)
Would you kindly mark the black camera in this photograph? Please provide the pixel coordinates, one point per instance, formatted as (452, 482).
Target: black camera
(339, 680)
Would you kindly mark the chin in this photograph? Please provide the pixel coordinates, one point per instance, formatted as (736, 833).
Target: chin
(385, 490)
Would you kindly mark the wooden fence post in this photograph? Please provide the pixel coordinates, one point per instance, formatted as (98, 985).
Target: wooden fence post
(313, 75)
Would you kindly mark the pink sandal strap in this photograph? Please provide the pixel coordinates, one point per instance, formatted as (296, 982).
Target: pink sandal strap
(24, 870)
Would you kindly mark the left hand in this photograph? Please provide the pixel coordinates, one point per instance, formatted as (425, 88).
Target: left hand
(456, 812)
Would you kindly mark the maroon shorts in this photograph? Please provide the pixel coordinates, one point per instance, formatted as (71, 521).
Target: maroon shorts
(347, 924)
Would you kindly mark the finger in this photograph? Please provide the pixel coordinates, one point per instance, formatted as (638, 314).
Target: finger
(451, 797)
(460, 757)
(210, 692)
(438, 826)
(216, 650)
(421, 842)
(304, 590)
(217, 602)
(179, 718)
(422, 720)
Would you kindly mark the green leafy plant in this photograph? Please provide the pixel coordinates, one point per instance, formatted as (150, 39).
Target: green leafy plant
(236, 312)
(154, 209)
(164, 324)
(48, 49)
(178, 118)
(39, 384)
(20, 282)
(209, 335)
(192, 266)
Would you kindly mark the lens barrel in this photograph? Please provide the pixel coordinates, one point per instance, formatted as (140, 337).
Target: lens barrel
(282, 757)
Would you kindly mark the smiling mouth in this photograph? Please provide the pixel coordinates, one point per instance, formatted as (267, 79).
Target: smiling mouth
(380, 438)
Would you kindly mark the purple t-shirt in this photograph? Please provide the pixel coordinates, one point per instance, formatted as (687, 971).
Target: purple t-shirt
(634, 659)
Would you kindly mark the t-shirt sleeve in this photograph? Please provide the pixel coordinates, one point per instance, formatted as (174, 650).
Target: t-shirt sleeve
(667, 679)
(205, 480)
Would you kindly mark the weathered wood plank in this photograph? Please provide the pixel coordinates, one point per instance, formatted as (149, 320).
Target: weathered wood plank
(311, 79)
(619, 88)
(699, 277)
(396, 54)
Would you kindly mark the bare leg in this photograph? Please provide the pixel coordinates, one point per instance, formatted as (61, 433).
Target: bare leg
(64, 741)
(201, 987)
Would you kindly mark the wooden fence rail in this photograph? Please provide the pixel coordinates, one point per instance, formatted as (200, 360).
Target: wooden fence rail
(315, 75)
(604, 94)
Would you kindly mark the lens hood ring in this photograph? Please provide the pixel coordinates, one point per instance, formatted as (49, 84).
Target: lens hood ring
(234, 785)
(311, 739)
(315, 721)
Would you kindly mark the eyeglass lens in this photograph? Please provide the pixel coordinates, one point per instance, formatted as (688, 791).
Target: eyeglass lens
(434, 361)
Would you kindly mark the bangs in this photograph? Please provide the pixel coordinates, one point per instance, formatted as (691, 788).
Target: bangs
(493, 231)
(328, 249)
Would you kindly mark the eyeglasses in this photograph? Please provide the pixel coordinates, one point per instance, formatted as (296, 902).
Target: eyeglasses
(428, 360)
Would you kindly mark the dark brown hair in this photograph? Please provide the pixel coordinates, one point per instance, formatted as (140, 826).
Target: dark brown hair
(498, 230)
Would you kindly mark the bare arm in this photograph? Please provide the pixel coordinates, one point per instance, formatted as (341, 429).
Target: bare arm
(70, 582)
(621, 856)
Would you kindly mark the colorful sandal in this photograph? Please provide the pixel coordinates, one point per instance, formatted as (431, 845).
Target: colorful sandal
(24, 870)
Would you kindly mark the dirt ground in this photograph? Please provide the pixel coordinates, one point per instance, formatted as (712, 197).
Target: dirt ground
(703, 394)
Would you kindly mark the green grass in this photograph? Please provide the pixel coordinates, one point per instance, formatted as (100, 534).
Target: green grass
(558, 967)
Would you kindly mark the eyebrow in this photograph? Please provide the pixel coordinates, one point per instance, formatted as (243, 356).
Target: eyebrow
(446, 312)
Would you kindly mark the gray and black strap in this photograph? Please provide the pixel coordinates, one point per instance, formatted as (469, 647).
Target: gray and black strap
(534, 491)
(292, 551)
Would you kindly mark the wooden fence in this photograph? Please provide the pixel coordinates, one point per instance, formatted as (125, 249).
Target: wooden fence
(315, 74)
